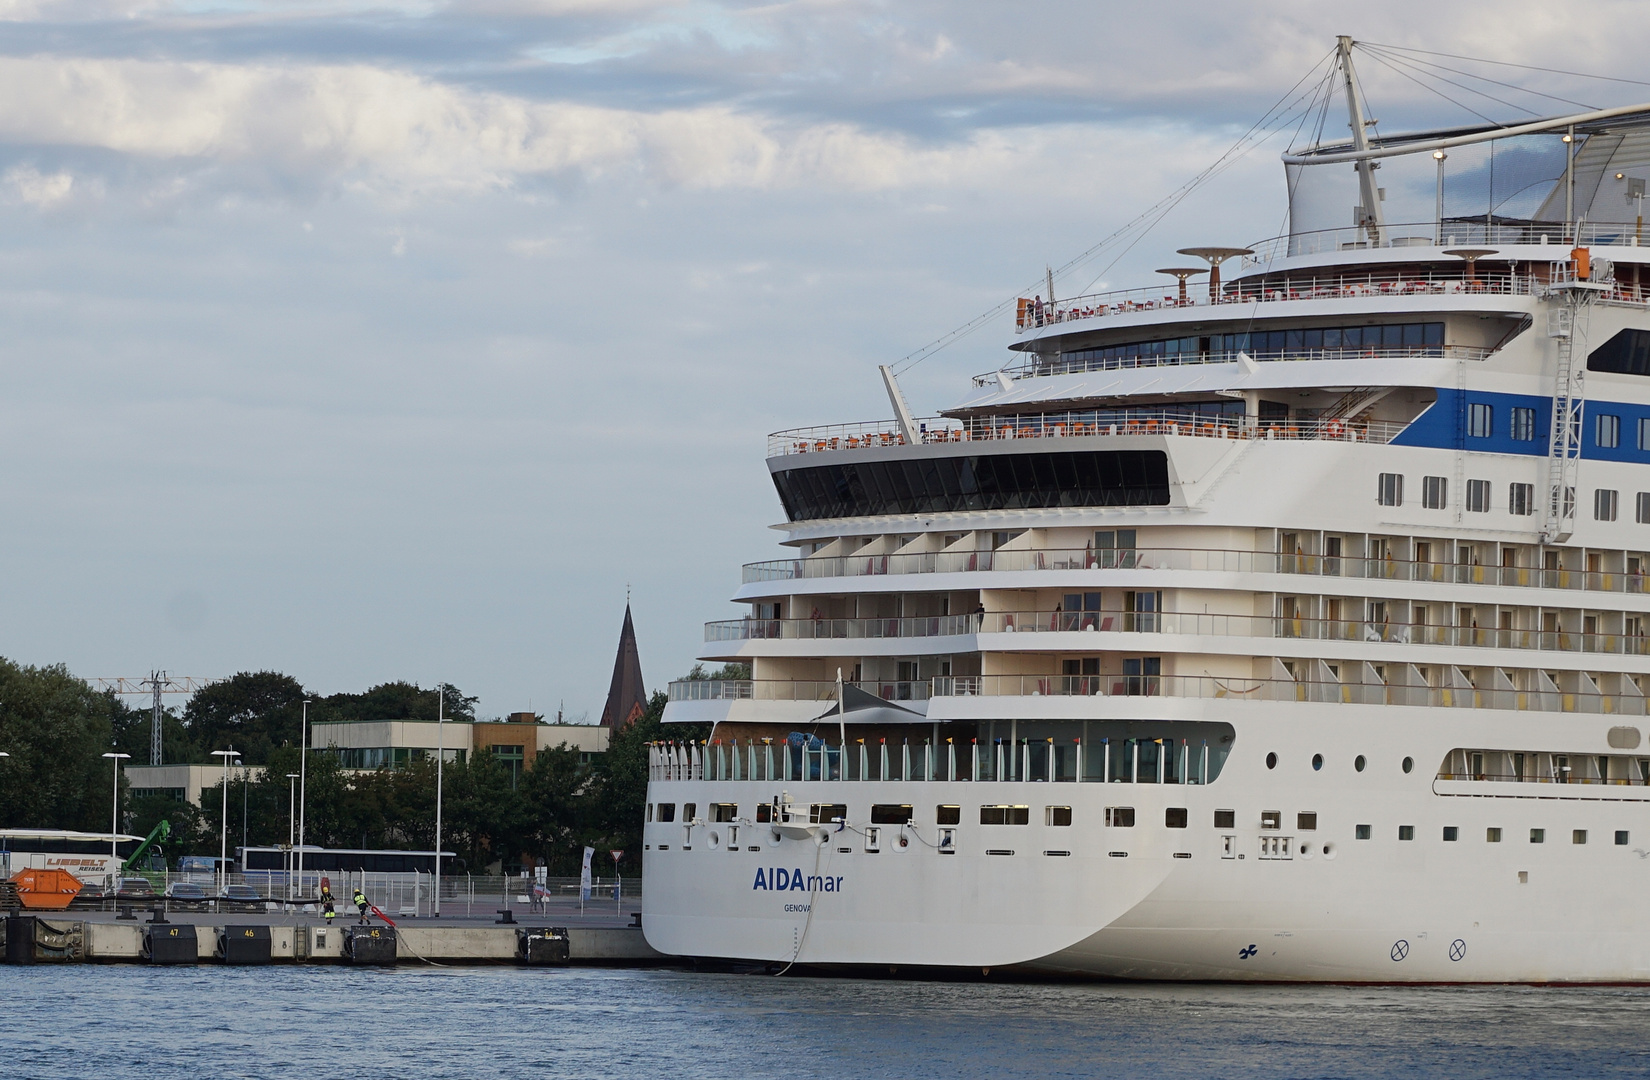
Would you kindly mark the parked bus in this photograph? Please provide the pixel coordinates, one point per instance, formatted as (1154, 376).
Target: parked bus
(86, 855)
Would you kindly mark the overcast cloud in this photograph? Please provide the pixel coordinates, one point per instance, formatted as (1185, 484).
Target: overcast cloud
(372, 340)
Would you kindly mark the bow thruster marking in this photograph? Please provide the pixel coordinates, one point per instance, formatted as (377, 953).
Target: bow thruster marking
(1248, 951)
(1457, 949)
(1400, 949)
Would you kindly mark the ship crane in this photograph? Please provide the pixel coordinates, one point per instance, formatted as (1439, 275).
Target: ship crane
(157, 684)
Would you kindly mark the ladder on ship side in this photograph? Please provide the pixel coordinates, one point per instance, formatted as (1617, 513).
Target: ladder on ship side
(1564, 322)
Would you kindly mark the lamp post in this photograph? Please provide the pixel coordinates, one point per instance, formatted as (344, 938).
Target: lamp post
(1439, 156)
(440, 752)
(291, 820)
(114, 818)
(223, 822)
(303, 790)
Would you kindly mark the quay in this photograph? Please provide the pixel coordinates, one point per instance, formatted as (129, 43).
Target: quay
(556, 936)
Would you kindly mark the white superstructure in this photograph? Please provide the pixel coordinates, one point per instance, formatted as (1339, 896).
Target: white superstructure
(1294, 629)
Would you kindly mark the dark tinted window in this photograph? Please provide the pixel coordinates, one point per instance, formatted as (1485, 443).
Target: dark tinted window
(890, 814)
(976, 482)
(1628, 353)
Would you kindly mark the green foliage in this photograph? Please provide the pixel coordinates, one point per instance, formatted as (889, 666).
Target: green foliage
(254, 712)
(55, 727)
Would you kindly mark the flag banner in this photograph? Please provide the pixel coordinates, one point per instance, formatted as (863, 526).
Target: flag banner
(584, 875)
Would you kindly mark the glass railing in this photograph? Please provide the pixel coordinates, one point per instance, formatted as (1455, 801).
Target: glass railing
(1060, 365)
(1196, 559)
(792, 689)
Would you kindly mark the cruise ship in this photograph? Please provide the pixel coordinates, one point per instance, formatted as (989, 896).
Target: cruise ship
(1285, 622)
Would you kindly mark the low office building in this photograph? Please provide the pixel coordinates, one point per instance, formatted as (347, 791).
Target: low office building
(514, 741)
(184, 782)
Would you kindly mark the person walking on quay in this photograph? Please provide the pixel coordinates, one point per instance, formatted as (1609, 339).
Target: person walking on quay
(328, 911)
(360, 902)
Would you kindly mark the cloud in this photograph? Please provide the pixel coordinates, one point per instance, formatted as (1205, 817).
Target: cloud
(37, 189)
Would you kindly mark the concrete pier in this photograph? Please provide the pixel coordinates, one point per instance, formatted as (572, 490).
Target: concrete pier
(103, 937)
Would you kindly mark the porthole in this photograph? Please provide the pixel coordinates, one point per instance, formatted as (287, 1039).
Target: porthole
(1306, 851)
(715, 841)
(1317, 762)
(1329, 851)
(1271, 761)
(1358, 763)
(1409, 763)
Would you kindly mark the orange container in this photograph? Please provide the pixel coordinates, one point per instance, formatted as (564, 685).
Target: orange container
(46, 890)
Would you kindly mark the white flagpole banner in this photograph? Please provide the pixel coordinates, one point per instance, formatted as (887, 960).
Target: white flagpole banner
(584, 876)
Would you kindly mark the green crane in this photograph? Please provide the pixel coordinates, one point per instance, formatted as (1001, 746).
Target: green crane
(156, 836)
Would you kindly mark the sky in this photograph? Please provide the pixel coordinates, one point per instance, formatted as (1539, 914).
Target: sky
(370, 341)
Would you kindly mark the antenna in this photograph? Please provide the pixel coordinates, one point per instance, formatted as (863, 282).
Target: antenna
(1369, 216)
(902, 413)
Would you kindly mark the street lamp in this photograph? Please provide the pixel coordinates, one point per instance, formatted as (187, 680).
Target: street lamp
(440, 752)
(1439, 156)
(114, 817)
(303, 790)
(291, 817)
(223, 835)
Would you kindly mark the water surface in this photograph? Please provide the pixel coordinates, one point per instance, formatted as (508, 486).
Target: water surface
(309, 1023)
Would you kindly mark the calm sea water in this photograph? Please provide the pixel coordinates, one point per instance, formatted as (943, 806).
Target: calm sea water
(313, 1023)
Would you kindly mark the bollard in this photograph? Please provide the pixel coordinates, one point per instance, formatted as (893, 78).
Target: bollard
(509, 917)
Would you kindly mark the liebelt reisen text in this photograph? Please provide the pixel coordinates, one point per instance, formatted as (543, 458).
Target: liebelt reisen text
(781, 879)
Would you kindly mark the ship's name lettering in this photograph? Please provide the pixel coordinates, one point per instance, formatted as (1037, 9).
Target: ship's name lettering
(779, 879)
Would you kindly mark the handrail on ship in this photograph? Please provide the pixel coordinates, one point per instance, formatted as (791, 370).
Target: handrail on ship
(1422, 234)
(1193, 624)
(1039, 368)
(1076, 423)
(1374, 284)
(1217, 560)
(1200, 687)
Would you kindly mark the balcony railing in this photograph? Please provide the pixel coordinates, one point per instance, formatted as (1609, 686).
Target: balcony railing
(1040, 368)
(1077, 423)
(1181, 623)
(1195, 559)
(792, 689)
(1194, 686)
(1555, 234)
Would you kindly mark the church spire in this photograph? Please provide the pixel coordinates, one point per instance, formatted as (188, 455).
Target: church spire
(626, 697)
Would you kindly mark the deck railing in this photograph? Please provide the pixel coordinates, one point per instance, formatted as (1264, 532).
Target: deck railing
(1414, 693)
(1036, 368)
(1178, 623)
(1423, 234)
(1214, 560)
(1080, 423)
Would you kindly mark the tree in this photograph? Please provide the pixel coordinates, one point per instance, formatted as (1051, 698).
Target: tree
(253, 711)
(619, 791)
(56, 729)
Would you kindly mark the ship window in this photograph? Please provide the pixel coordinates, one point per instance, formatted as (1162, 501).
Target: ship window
(1317, 759)
(975, 482)
(825, 813)
(1406, 832)
(724, 811)
(1521, 425)
(1478, 496)
(1057, 815)
(1271, 819)
(1492, 835)
(1306, 820)
(1225, 819)
(1538, 836)
(1644, 433)
(890, 814)
(1628, 353)
(1362, 832)
(1174, 817)
(1005, 815)
(1389, 489)
(1621, 837)
(1358, 763)
(1434, 493)
(1271, 761)
(1451, 833)
(689, 810)
(1521, 499)
(1409, 764)
(948, 814)
(667, 811)
(1607, 431)
(650, 811)
(1120, 817)
(1604, 505)
(764, 813)
(1578, 836)
(1642, 510)
(1479, 417)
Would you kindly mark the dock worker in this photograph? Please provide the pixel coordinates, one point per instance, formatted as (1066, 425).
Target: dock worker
(360, 902)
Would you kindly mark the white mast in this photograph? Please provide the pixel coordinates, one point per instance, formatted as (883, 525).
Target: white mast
(1370, 216)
